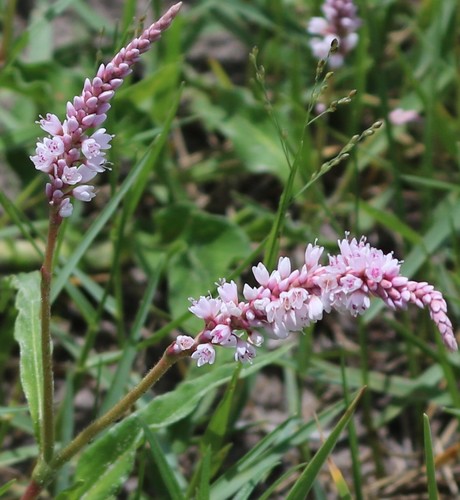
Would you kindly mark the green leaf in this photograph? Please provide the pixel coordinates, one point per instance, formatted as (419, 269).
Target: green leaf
(268, 453)
(236, 115)
(19, 454)
(429, 460)
(173, 406)
(162, 411)
(27, 332)
(204, 480)
(446, 218)
(166, 471)
(4, 488)
(129, 352)
(308, 476)
(105, 466)
(392, 222)
(218, 425)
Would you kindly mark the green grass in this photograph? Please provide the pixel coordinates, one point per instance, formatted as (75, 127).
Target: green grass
(213, 171)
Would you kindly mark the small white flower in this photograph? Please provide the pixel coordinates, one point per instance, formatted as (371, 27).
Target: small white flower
(51, 124)
(205, 307)
(84, 192)
(71, 175)
(204, 353)
(92, 146)
(66, 208)
(184, 342)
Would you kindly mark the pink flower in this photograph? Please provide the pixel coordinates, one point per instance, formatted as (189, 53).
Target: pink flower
(71, 175)
(399, 116)
(204, 353)
(84, 192)
(184, 342)
(51, 124)
(65, 208)
(245, 352)
(340, 22)
(92, 146)
(205, 307)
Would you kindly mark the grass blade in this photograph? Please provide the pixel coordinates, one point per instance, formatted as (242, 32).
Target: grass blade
(308, 476)
(429, 459)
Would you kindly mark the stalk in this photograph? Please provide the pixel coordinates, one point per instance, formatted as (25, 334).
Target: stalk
(47, 421)
(45, 471)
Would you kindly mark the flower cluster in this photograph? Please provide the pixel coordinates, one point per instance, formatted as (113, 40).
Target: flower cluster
(340, 22)
(287, 300)
(399, 116)
(70, 155)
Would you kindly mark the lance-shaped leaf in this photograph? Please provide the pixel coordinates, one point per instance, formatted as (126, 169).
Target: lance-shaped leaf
(27, 335)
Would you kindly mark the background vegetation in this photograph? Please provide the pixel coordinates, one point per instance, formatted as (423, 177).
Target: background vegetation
(198, 171)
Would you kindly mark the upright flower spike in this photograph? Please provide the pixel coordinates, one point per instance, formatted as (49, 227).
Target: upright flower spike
(340, 22)
(287, 300)
(72, 156)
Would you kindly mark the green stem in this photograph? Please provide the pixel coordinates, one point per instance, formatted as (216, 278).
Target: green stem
(47, 421)
(44, 472)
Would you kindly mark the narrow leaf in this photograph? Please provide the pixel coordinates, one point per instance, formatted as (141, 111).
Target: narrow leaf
(429, 460)
(4, 488)
(167, 473)
(104, 467)
(308, 476)
(27, 334)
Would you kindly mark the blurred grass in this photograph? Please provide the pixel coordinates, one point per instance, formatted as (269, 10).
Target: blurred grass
(207, 194)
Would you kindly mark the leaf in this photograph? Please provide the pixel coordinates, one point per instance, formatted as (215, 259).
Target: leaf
(10, 458)
(429, 459)
(166, 471)
(204, 479)
(308, 476)
(105, 466)
(267, 454)
(4, 488)
(27, 332)
(236, 115)
(164, 410)
(218, 425)
(129, 352)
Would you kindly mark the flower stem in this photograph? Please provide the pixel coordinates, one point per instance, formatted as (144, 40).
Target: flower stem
(44, 472)
(47, 421)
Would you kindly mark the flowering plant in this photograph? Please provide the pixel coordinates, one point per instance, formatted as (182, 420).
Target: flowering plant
(279, 300)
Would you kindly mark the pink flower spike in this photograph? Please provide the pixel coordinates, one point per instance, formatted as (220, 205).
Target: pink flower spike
(70, 156)
(204, 353)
